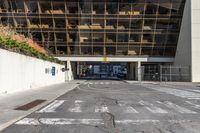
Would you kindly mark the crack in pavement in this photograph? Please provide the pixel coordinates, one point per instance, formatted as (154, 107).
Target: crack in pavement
(109, 122)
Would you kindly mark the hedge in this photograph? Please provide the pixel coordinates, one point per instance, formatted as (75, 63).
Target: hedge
(24, 48)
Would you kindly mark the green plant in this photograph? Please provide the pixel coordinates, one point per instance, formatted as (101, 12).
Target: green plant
(24, 48)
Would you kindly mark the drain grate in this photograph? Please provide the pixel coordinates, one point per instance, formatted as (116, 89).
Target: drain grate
(30, 105)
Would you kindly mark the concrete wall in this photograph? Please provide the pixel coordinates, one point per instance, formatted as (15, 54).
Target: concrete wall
(195, 21)
(69, 72)
(183, 52)
(19, 72)
(188, 50)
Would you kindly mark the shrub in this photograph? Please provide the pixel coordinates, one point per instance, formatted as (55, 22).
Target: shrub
(24, 48)
(14, 42)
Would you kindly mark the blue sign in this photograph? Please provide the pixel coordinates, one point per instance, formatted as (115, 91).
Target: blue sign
(53, 71)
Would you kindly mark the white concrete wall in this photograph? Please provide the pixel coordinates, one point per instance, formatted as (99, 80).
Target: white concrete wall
(183, 52)
(188, 50)
(19, 72)
(69, 73)
(195, 20)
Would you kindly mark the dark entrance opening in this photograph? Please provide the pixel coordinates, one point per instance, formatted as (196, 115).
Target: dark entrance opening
(99, 70)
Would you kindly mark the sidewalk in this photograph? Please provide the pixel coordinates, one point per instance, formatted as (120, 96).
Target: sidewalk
(8, 102)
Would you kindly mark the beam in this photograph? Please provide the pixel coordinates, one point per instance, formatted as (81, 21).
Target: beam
(118, 59)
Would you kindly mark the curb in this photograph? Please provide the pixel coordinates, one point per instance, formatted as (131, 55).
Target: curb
(14, 120)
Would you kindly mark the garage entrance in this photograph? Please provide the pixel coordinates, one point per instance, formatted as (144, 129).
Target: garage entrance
(99, 70)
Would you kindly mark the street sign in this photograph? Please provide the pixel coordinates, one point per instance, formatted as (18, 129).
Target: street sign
(53, 71)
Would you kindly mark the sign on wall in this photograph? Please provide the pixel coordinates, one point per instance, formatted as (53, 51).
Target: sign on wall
(53, 71)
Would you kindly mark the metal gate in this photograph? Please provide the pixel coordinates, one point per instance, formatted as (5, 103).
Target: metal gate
(165, 73)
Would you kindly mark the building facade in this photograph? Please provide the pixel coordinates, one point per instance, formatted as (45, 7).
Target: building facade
(139, 32)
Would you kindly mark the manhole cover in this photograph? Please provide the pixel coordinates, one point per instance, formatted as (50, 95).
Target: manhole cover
(30, 105)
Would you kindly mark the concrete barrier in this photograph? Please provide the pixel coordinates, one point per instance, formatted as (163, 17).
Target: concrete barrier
(19, 72)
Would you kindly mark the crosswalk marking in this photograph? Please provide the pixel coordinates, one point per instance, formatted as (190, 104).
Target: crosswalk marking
(51, 107)
(195, 98)
(127, 108)
(177, 107)
(193, 105)
(152, 108)
(94, 122)
(102, 108)
(124, 106)
(76, 107)
(59, 121)
(107, 83)
(196, 90)
(176, 92)
(100, 83)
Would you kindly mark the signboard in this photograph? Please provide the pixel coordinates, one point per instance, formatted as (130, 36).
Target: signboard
(105, 60)
(53, 71)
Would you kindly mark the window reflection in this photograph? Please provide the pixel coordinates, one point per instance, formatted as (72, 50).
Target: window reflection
(100, 27)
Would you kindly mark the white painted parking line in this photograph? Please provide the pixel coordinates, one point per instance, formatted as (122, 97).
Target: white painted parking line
(152, 108)
(196, 90)
(71, 121)
(76, 107)
(136, 121)
(101, 83)
(114, 83)
(102, 108)
(193, 105)
(51, 107)
(28, 121)
(59, 121)
(127, 108)
(107, 83)
(176, 92)
(177, 107)
(64, 121)
(197, 98)
(94, 122)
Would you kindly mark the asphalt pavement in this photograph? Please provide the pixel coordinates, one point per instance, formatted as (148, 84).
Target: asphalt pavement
(112, 106)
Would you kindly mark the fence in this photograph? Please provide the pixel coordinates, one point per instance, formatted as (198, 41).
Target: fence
(165, 73)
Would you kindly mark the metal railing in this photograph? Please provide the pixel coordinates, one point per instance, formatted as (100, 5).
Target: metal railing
(165, 73)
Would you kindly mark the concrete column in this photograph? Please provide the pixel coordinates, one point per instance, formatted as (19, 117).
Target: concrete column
(139, 71)
(69, 74)
(131, 71)
(195, 48)
(131, 75)
(183, 53)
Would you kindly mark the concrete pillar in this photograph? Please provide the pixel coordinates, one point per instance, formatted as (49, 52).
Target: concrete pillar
(195, 48)
(74, 69)
(69, 74)
(131, 71)
(139, 71)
